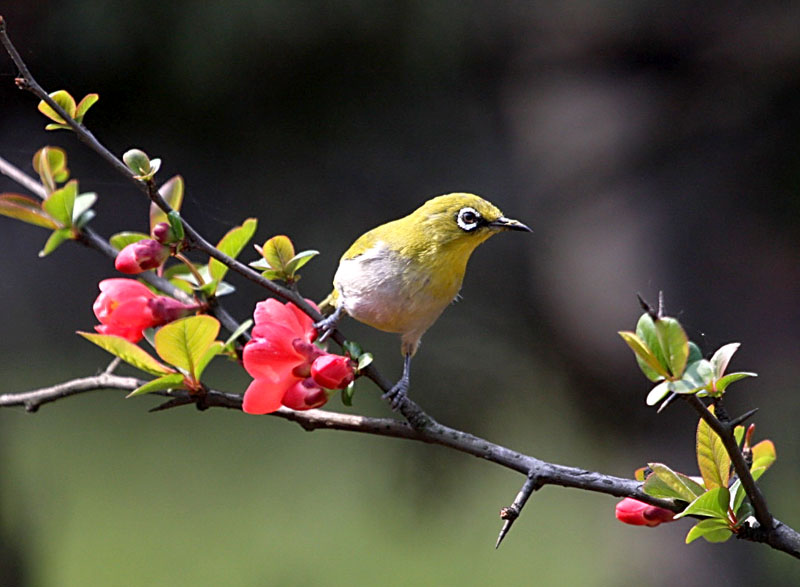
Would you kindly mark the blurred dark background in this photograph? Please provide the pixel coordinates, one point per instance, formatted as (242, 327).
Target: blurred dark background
(651, 146)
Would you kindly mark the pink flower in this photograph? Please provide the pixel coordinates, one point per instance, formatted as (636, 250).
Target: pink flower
(281, 359)
(332, 371)
(637, 513)
(141, 256)
(125, 308)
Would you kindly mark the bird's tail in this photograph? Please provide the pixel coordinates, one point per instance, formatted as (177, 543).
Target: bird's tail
(328, 305)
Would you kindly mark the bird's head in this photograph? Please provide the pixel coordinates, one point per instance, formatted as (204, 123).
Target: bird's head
(461, 218)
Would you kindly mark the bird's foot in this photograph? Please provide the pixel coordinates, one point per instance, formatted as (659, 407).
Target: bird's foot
(327, 325)
(397, 394)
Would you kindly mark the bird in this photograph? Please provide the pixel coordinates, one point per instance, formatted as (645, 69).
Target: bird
(400, 276)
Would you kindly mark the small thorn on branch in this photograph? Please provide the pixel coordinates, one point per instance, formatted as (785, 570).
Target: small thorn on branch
(512, 512)
(743, 418)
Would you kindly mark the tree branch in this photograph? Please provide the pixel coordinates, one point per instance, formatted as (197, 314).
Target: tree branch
(725, 433)
(419, 426)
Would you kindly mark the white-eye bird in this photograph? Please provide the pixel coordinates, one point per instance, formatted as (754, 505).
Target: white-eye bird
(400, 276)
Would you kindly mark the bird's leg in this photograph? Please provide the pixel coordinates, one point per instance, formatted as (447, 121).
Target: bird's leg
(327, 325)
(398, 392)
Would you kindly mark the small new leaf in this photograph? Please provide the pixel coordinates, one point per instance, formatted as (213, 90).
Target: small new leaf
(347, 394)
(63, 99)
(55, 240)
(172, 192)
(712, 504)
(669, 484)
(184, 342)
(60, 204)
(122, 239)
(232, 244)
(128, 352)
(647, 360)
(26, 209)
(171, 381)
(714, 530)
(712, 458)
(674, 344)
(300, 259)
(278, 251)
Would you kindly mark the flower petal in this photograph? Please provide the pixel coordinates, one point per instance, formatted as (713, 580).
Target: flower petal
(263, 396)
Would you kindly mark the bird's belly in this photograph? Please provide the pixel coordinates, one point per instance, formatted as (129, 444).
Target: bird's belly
(391, 294)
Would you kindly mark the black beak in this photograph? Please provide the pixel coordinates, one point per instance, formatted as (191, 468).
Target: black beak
(509, 224)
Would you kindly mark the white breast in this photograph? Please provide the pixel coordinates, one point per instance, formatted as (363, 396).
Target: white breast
(387, 292)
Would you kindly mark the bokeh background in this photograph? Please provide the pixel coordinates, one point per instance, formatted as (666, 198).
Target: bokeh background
(651, 146)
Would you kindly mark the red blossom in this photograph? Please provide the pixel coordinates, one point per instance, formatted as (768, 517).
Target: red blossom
(141, 256)
(637, 513)
(125, 308)
(280, 357)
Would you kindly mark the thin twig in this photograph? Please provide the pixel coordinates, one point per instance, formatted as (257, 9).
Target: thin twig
(512, 512)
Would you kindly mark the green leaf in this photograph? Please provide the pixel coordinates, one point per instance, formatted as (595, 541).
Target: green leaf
(243, 327)
(713, 504)
(712, 458)
(60, 204)
(184, 342)
(232, 244)
(175, 224)
(54, 126)
(128, 352)
(278, 251)
(669, 484)
(694, 353)
(82, 204)
(364, 361)
(122, 239)
(647, 361)
(138, 162)
(646, 330)
(722, 357)
(658, 393)
(714, 530)
(723, 383)
(216, 348)
(260, 264)
(51, 165)
(674, 343)
(56, 239)
(172, 192)
(347, 394)
(25, 209)
(763, 455)
(274, 274)
(353, 349)
(63, 99)
(300, 259)
(171, 381)
(84, 105)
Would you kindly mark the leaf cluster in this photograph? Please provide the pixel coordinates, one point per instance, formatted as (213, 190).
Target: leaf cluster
(666, 356)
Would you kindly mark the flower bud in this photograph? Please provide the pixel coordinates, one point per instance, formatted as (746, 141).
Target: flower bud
(166, 309)
(141, 256)
(332, 371)
(163, 233)
(637, 513)
(304, 395)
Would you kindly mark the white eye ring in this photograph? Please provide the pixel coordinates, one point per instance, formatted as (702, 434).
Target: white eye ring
(468, 219)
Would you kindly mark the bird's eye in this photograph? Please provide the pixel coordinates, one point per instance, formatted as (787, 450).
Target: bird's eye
(468, 219)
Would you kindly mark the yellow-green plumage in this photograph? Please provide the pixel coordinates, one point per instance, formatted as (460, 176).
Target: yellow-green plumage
(400, 276)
